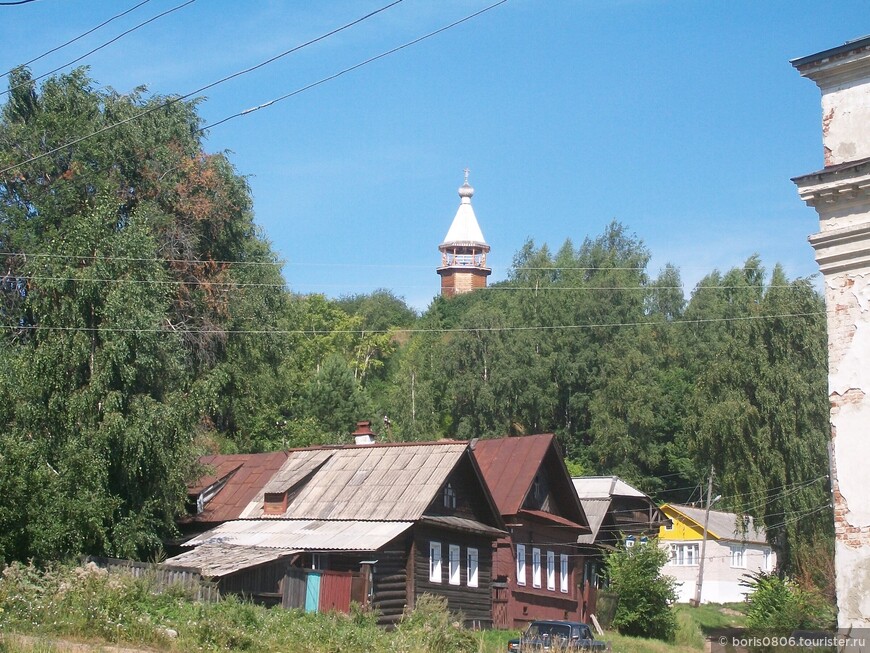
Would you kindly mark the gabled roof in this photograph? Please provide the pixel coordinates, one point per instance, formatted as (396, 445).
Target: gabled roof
(510, 465)
(604, 487)
(242, 476)
(721, 525)
(389, 482)
(597, 495)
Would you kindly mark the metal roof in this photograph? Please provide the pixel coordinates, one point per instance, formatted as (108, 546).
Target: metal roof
(369, 482)
(247, 473)
(218, 560)
(303, 534)
(849, 46)
(464, 230)
(722, 525)
(604, 487)
(596, 510)
(509, 466)
(462, 524)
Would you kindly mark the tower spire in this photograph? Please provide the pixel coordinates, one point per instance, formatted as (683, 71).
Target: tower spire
(463, 252)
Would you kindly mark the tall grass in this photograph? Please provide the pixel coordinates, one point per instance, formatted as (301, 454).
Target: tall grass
(93, 605)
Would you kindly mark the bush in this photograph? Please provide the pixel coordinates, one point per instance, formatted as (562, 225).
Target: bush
(781, 605)
(645, 595)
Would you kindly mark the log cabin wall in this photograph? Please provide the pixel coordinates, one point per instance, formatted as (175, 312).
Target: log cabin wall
(475, 603)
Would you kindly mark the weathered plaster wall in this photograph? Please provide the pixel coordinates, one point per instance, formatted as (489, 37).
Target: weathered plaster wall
(848, 300)
(845, 113)
(841, 196)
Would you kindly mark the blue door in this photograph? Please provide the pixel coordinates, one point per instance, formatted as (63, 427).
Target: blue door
(312, 592)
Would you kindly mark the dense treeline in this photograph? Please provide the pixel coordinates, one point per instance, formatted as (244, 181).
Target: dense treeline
(145, 320)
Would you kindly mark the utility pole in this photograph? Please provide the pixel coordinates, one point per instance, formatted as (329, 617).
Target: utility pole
(700, 582)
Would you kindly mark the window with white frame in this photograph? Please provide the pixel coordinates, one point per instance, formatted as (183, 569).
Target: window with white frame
(536, 567)
(521, 564)
(563, 573)
(551, 570)
(738, 557)
(629, 541)
(684, 555)
(453, 564)
(471, 567)
(435, 562)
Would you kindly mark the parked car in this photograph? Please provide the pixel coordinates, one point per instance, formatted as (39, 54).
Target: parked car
(545, 635)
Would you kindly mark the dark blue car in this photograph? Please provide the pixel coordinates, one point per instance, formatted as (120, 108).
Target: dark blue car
(546, 635)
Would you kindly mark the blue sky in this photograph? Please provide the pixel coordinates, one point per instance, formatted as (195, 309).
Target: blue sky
(683, 120)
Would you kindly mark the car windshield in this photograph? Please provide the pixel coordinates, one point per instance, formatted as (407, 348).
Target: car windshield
(542, 630)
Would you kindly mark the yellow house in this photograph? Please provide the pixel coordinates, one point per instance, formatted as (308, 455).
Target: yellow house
(735, 547)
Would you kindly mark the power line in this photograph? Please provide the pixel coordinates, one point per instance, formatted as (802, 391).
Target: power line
(33, 277)
(80, 36)
(100, 47)
(174, 100)
(16, 2)
(352, 68)
(279, 332)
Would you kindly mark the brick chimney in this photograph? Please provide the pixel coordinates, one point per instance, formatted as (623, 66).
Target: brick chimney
(364, 433)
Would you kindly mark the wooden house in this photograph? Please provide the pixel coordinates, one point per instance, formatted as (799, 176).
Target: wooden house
(377, 523)
(616, 511)
(536, 564)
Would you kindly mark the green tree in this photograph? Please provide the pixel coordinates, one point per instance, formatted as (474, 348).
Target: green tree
(645, 595)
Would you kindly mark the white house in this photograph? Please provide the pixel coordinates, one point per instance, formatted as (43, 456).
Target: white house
(735, 547)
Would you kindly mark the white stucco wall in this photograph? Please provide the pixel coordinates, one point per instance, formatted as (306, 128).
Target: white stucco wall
(721, 580)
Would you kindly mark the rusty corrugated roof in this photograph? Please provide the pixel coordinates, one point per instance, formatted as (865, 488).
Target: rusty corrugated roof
(509, 466)
(248, 474)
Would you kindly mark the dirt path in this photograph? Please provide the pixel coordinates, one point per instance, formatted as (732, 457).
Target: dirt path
(27, 643)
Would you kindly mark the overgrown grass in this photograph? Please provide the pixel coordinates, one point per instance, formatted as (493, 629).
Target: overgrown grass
(713, 616)
(69, 603)
(76, 603)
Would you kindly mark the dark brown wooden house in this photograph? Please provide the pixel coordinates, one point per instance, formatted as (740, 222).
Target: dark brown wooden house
(377, 523)
(616, 511)
(537, 567)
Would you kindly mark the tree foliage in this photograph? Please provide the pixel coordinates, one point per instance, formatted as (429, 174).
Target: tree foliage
(645, 595)
(145, 319)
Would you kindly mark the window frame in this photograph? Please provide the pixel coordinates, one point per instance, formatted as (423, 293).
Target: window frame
(521, 564)
(536, 567)
(435, 562)
(472, 567)
(454, 568)
(551, 571)
(564, 573)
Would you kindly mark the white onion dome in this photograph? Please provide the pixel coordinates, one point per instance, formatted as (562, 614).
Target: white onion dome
(466, 191)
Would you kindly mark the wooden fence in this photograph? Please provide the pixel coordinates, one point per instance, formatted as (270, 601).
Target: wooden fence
(163, 575)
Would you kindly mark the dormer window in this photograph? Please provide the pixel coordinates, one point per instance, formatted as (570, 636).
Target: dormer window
(449, 496)
(274, 503)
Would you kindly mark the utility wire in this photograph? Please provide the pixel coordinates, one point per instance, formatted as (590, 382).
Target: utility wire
(80, 36)
(279, 332)
(352, 68)
(174, 100)
(17, 2)
(100, 47)
(171, 101)
(36, 277)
